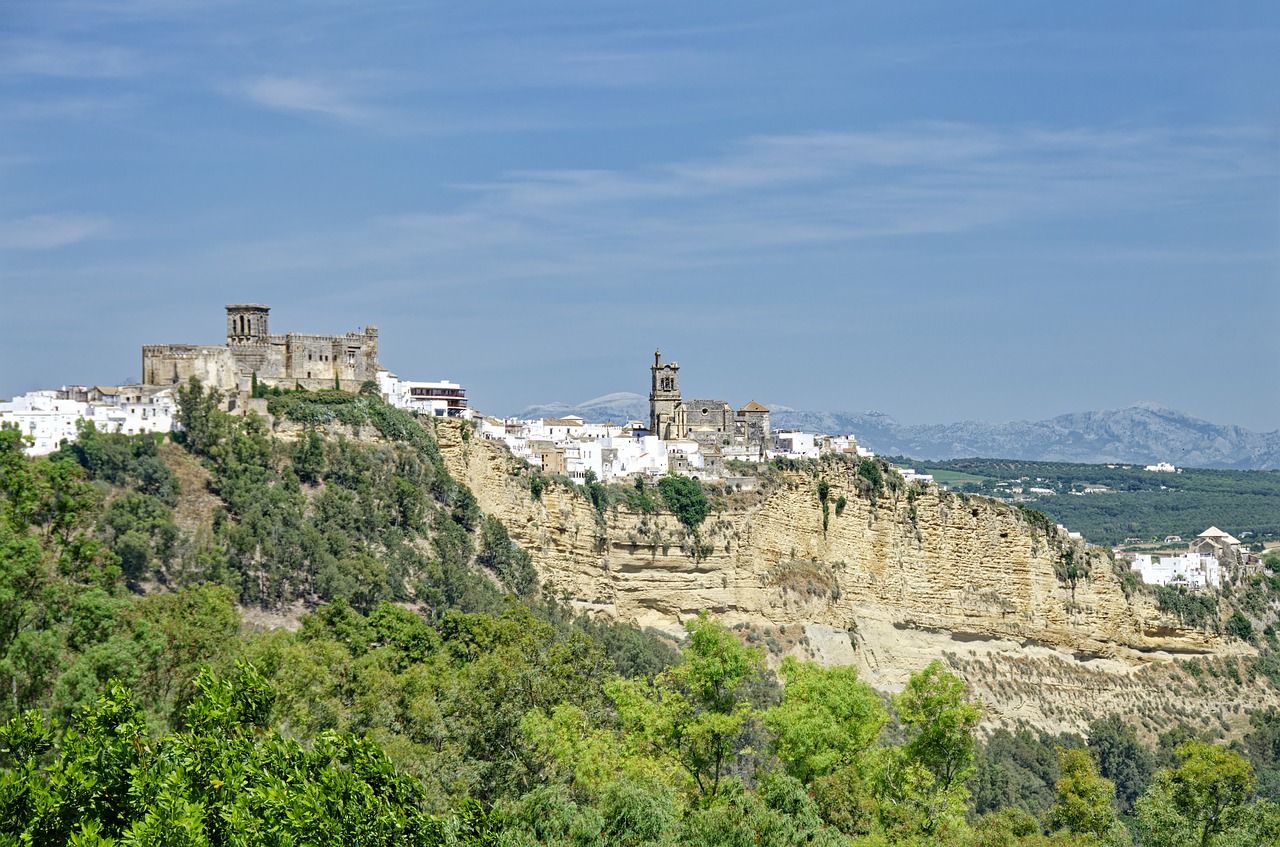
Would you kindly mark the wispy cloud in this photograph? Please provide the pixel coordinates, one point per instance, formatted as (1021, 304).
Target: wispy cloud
(307, 96)
(933, 177)
(66, 59)
(69, 108)
(783, 195)
(46, 232)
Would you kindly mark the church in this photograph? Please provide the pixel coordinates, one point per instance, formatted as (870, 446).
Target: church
(713, 424)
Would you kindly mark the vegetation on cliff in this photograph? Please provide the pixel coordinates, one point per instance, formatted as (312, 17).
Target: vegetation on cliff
(432, 695)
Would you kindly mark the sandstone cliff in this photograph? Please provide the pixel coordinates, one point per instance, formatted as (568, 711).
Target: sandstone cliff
(897, 579)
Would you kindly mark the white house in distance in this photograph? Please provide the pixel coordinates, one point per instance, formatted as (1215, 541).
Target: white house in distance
(793, 444)
(609, 451)
(443, 399)
(1194, 570)
(49, 417)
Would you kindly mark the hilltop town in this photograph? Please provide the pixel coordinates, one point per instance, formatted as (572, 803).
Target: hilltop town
(694, 437)
(329, 495)
(704, 439)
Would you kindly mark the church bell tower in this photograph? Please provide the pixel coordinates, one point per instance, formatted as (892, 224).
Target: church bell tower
(664, 398)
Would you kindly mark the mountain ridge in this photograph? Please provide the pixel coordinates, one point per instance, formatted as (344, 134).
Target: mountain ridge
(1143, 432)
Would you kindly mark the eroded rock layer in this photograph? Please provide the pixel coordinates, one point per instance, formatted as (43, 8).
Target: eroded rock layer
(896, 579)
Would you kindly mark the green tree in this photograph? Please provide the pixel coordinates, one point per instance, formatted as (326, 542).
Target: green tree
(826, 718)
(1240, 627)
(308, 456)
(596, 492)
(203, 424)
(134, 550)
(922, 782)
(695, 712)
(685, 498)
(1018, 769)
(227, 778)
(1262, 745)
(1121, 758)
(1085, 800)
(507, 559)
(1202, 802)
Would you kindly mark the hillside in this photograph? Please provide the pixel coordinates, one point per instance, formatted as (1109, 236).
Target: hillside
(1143, 433)
(899, 577)
(435, 686)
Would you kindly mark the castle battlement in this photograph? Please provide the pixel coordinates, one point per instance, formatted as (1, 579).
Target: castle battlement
(304, 359)
(183, 351)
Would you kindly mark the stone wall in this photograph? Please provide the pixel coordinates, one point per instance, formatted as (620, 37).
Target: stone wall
(176, 364)
(312, 361)
(714, 414)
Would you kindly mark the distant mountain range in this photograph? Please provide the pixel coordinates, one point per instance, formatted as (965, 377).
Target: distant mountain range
(1144, 432)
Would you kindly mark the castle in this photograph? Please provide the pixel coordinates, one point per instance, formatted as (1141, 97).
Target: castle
(310, 361)
(713, 424)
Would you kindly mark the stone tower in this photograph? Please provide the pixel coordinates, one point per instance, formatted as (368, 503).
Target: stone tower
(247, 324)
(664, 398)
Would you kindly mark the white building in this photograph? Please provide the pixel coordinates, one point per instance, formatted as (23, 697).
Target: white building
(612, 452)
(609, 451)
(792, 444)
(849, 445)
(439, 399)
(49, 417)
(1163, 467)
(1193, 570)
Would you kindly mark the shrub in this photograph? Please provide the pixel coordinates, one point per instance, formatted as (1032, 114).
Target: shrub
(1240, 627)
(685, 498)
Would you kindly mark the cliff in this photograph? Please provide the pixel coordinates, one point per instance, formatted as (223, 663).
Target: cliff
(897, 579)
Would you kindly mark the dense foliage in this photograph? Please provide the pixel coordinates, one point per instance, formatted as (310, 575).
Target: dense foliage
(432, 695)
(685, 498)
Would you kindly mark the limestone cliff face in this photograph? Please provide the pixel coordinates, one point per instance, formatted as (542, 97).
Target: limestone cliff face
(894, 582)
(889, 576)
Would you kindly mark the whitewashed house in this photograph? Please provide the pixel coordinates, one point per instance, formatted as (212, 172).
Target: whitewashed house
(443, 399)
(49, 417)
(1193, 570)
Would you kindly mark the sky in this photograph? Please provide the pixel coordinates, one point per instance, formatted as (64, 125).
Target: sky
(938, 210)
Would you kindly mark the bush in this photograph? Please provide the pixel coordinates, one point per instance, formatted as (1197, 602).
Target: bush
(1191, 609)
(1240, 627)
(869, 469)
(685, 498)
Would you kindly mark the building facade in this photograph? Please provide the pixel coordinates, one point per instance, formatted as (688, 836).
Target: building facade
(289, 360)
(442, 399)
(713, 424)
(47, 418)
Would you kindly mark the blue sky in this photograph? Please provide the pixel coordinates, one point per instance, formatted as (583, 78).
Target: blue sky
(938, 210)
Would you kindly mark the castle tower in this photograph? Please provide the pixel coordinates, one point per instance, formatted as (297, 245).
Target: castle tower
(664, 399)
(247, 324)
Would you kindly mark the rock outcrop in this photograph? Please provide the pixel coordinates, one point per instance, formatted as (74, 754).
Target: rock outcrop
(896, 578)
